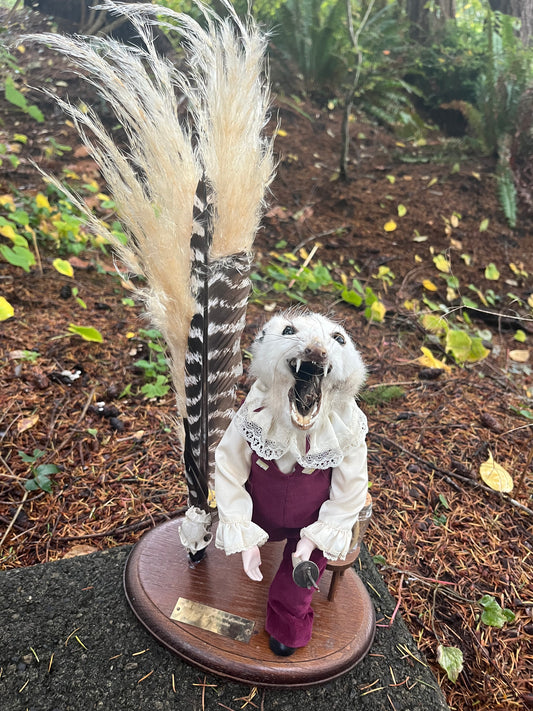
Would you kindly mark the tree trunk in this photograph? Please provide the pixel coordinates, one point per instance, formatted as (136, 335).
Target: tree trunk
(425, 22)
(517, 8)
(79, 16)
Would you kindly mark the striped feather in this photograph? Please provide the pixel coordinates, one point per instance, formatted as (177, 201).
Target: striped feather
(190, 196)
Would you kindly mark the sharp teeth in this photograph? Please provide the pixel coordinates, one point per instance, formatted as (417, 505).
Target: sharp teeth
(298, 364)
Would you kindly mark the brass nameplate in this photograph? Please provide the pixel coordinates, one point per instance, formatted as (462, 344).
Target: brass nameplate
(209, 618)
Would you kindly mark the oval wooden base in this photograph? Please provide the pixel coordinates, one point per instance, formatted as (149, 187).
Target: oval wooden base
(158, 573)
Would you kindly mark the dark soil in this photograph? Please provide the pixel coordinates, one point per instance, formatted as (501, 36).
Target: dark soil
(445, 537)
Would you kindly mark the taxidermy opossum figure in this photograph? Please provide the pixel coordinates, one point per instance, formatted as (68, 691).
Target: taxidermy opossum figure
(307, 364)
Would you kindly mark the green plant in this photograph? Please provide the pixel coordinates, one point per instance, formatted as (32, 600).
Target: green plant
(15, 97)
(40, 474)
(155, 368)
(310, 35)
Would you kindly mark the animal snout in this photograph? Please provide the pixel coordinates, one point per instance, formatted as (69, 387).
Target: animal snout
(316, 353)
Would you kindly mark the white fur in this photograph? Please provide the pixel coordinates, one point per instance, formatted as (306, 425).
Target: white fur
(272, 351)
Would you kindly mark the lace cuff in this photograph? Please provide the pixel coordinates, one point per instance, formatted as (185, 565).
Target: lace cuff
(238, 536)
(333, 542)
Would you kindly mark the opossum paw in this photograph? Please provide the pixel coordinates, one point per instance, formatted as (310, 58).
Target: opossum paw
(280, 649)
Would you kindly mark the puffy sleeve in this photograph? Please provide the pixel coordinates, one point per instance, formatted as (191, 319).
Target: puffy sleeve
(332, 532)
(236, 531)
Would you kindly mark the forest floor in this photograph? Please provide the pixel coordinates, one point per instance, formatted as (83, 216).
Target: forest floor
(441, 537)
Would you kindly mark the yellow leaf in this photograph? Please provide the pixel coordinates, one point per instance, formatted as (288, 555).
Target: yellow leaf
(42, 201)
(432, 182)
(418, 258)
(303, 253)
(63, 267)
(377, 311)
(390, 226)
(454, 221)
(212, 499)
(7, 200)
(451, 294)
(281, 132)
(344, 280)
(21, 48)
(442, 264)
(477, 176)
(428, 360)
(8, 231)
(530, 301)
(411, 305)
(130, 334)
(6, 310)
(519, 356)
(495, 476)
(429, 285)
(103, 196)
(71, 175)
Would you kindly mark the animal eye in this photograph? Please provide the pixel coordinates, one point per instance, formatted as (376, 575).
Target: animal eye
(288, 331)
(339, 338)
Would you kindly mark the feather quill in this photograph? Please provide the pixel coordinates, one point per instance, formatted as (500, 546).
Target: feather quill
(190, 198)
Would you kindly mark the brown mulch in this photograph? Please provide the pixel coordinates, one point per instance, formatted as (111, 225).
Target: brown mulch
(446, 538)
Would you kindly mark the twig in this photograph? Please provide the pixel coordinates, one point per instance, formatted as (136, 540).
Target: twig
(304, 265)
(19, 509)
(523, 474)
(126, 529)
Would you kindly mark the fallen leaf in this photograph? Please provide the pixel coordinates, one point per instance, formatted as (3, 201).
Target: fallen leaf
(495, 476)
(451, 660)
(63, 267)
(429, 285)
(519, 356)
(442, 264)
(6, 310)
(26, 423)
(428, 360)
(491, 272)
(80, 549)
(390, 226)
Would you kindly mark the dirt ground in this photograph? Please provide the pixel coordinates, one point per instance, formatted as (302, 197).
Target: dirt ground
(444, 539)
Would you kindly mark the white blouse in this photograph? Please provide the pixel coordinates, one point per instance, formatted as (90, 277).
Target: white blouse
(337, 440)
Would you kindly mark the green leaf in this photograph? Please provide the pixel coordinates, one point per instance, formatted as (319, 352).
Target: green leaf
(88, 333)
(158, 388)
(35, 113)
(484, 225)
(63, 267)
(444, 501)
(493, 615)
(458, 343)
(6, 310)
(402, 210)
(491, 272)
(520, 336)
(451, 660)
(379, 560)
(18, 256)
(352, 297)
(13, 95)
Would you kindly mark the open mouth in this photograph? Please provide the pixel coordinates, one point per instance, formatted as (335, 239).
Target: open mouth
(306, 394)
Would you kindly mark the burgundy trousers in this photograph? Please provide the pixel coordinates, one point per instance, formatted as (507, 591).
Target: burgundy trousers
(282, 505)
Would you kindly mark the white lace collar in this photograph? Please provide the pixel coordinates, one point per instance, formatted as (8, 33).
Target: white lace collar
(340, 428)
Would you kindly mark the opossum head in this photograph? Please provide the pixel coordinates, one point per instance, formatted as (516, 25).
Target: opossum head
(306, 361)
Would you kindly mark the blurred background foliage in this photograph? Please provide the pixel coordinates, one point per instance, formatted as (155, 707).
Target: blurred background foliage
(463, 66)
